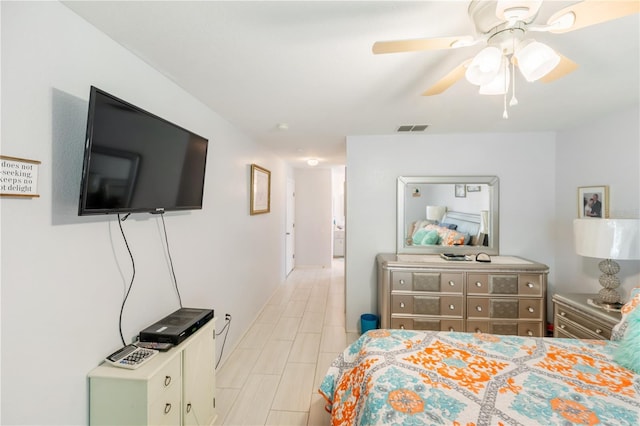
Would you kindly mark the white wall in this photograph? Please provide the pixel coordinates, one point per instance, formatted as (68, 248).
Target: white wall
(313, 217)
(523, 162)
(603, 152)
(64, 276)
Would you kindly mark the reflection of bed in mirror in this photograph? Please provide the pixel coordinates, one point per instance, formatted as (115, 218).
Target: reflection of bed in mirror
(432, 217)
(455, 229)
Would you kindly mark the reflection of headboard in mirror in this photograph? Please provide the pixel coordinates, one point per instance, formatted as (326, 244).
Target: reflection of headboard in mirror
(470, 224)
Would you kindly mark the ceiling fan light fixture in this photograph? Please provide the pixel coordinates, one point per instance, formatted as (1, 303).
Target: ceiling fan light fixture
(500, 83)
(535, 59)
(484, 66)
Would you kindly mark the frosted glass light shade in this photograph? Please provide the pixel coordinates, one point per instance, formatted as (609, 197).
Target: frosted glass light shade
(436, 212)
(484, 66)
(500, 83)
(535, 59)
(607, 238)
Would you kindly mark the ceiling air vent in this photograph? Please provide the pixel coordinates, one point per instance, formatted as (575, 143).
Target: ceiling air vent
(412, 128)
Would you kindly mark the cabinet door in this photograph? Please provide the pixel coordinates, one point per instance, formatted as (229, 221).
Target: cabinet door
(199, 379)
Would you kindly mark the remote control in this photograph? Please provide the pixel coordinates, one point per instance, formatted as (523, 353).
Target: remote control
(130, 357)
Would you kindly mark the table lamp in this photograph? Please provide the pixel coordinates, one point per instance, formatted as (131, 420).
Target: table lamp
(608, 239)
(436, 212)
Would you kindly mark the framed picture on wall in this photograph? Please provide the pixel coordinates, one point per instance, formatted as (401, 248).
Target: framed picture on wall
(260, 190)
(593, 201)
(461, 191)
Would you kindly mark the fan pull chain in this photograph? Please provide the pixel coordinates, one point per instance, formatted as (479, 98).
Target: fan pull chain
(505, 114)
(513, 101)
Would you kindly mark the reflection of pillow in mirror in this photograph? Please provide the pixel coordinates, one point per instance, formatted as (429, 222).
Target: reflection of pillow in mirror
(418, 236)
(453, 238)
(431, 238)
(449, 225)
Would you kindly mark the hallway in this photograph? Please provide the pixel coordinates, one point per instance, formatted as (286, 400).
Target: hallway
(272, 376)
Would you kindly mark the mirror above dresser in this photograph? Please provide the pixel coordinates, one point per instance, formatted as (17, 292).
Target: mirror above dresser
(447, 214)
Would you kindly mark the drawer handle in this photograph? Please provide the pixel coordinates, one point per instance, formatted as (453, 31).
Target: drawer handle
(451, 329)
(478, 330)
(530, 285)
(401, 326)
(188, 408)
(563, 313)
(167, 380)
(167, 408)
(452, 307)
(451, 283)
(529, 333)
(402, 304)
(598, 331)
(401, 281)
(479, 308)
(478, 284)
(530, 309)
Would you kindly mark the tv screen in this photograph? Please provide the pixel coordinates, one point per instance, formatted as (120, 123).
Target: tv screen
(135, 161)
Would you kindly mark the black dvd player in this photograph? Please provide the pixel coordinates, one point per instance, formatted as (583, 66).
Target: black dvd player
(177, 326)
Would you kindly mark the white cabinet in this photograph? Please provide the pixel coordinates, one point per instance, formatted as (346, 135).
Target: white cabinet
(174, 388)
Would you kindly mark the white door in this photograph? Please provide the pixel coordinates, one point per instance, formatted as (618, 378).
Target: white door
(290, 227)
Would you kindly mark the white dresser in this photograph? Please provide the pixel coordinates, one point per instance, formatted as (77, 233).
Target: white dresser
(176, 387)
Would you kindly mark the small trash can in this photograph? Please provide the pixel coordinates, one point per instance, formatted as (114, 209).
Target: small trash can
(368, 322)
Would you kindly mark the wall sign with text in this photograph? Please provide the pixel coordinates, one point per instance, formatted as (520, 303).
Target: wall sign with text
(18, 177)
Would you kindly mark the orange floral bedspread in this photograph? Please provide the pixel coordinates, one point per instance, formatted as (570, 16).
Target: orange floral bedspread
(402, 377)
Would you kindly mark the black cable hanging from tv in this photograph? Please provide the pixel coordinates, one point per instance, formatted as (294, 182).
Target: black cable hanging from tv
(173, 272)
(133, 275)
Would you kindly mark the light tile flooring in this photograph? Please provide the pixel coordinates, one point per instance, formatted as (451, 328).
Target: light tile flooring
(272, 376)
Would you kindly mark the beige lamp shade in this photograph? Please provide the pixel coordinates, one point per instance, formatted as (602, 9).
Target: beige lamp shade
(607, 238)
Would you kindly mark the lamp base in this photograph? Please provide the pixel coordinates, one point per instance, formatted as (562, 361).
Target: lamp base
(609, 282)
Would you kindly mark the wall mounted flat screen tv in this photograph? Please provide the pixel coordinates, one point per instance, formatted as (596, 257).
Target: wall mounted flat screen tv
(135, 161)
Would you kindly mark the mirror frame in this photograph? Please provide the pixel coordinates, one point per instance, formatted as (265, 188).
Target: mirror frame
(493, 184)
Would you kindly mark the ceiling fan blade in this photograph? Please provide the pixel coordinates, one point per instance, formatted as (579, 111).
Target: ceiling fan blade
(592, 12)
(448, 80)
(397, 46)
(565, 67)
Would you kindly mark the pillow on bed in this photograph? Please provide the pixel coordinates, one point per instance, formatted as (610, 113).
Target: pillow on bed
(627, 353)
(449, 225)
(634, 301)
(448, 237)
(424, 237)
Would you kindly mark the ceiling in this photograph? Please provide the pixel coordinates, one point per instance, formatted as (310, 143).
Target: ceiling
(308, 65)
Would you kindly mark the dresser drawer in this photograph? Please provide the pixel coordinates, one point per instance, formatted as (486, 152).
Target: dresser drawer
(496, 308)
(505, 284)
(435, 282)
(165, 412)
(579, 326)
(515, 328)
(433, 324)
(427, 305)
(165, 384)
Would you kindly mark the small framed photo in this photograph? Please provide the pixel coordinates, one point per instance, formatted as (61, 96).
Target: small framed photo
(473, 188)
(461, 191)
(593, 201)
(260, 190)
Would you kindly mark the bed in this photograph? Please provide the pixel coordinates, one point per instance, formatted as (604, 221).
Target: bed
(407, 377)
(455, 228)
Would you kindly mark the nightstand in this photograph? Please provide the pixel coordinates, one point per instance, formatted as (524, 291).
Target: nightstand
(575, 318)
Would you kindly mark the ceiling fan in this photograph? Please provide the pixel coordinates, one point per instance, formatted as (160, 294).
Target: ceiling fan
(503, 26)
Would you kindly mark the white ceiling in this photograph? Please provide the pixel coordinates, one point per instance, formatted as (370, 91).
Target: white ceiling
(309, 64)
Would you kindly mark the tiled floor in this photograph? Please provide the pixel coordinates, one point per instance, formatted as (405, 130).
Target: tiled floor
(273, 374)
